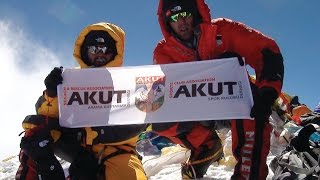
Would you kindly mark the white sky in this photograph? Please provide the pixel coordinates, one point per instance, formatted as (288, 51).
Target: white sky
(24, 66)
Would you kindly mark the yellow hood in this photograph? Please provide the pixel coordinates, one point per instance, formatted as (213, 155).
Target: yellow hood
(114, 31)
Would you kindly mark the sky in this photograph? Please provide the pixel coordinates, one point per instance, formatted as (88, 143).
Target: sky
(36, 36)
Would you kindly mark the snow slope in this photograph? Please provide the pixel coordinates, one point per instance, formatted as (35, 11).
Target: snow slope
(169, 169)
(164, 167)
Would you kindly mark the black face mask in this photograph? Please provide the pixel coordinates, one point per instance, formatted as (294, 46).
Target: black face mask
(95, 42)
(99, 61)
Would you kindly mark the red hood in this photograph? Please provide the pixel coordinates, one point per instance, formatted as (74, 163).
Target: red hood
(202, 8)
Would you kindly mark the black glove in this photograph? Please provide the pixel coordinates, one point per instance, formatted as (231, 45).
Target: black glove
(84, 167)
(36, 145)
(53, 79)
(263, 100)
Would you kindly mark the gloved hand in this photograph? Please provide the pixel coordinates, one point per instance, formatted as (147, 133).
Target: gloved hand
(84, 167)
(53, 79)
(263, 100)
(36, 145)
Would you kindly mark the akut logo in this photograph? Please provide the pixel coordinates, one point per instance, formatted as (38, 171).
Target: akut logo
(149, 94)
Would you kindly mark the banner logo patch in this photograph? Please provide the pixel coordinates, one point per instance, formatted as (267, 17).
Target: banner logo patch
(150, 91)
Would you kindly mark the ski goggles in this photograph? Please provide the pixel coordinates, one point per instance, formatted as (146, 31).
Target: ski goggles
(175, 17)
(97, 49)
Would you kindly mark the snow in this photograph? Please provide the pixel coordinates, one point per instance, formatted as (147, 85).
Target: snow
(164, 167)
(9, 167)
(168, 165)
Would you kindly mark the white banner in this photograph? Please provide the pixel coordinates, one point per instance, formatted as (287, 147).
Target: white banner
(193, 91)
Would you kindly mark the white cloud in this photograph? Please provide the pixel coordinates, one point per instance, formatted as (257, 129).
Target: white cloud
(24, 65)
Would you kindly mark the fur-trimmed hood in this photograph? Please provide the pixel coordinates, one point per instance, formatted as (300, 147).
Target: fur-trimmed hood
(114, 31)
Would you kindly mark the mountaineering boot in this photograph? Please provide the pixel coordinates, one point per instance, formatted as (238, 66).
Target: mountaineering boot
(202, 158)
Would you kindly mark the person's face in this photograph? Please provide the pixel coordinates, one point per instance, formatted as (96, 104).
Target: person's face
(182, 25)
(99, 55)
